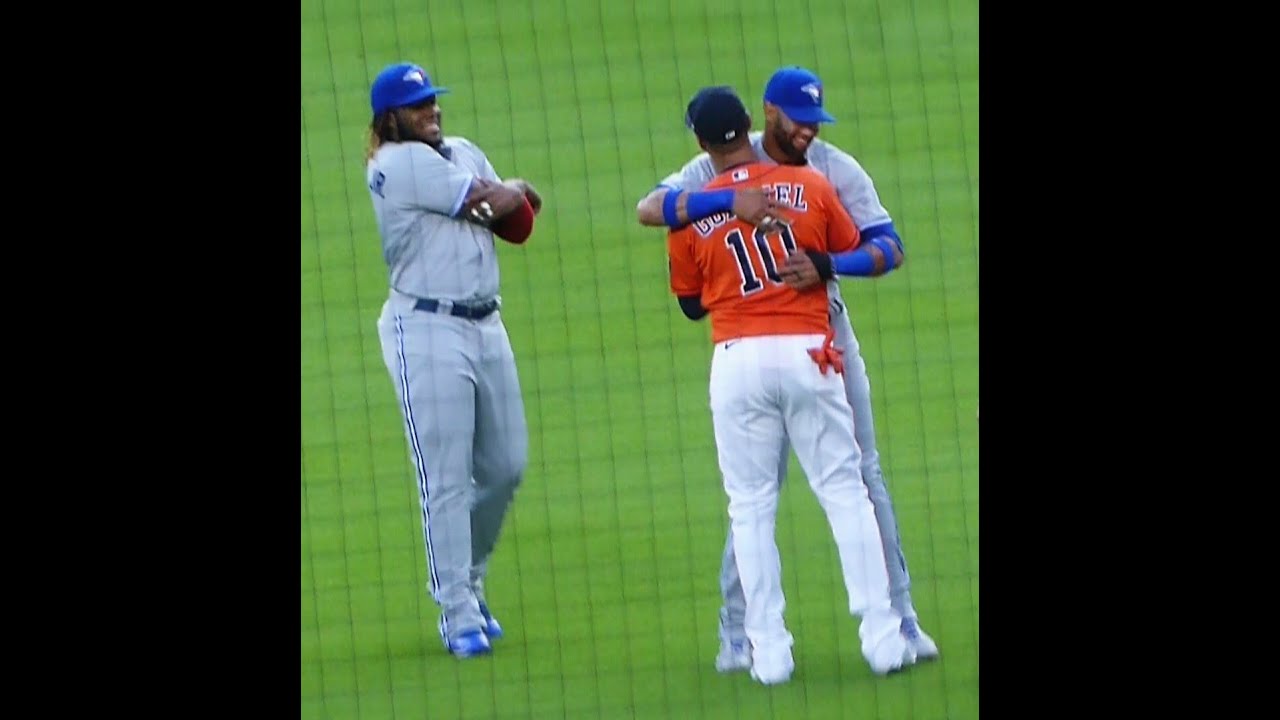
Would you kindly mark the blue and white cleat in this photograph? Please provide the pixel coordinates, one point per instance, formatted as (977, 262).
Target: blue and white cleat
(491, 629)
(734, 655)
(468, 644)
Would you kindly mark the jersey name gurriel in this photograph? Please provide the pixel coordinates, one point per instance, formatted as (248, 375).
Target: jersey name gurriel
(789, 194)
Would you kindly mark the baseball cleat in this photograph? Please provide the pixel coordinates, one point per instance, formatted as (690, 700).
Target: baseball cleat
(469, 644)
(890, 654)
(734, 656)
(491, 627)
(925, 647)
(772, 668)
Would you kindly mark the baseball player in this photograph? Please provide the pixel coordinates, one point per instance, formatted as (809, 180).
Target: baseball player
(775, 375)
(793, 109)
(438, 204)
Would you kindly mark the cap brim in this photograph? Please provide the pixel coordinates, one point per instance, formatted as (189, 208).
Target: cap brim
(424, 93)
(808, 115)
(413, 98)
(418, 96)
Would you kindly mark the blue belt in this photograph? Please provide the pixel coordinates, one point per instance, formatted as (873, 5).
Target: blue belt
(457, 309)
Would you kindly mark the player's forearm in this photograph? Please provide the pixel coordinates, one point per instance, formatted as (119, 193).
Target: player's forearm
(876, 257)
(677, 208)
(488, 202)
(502, 198)
(649, 209)
(880, 253)
(665, 208)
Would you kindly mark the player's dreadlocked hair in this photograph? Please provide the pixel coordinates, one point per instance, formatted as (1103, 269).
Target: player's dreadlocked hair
(384, 128)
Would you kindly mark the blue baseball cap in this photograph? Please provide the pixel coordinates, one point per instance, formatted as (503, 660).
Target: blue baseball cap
(400, 85)
(717, 115)
(798, 93)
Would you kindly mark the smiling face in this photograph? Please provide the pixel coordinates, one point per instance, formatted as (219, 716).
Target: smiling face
(421, 121)
(792, 138)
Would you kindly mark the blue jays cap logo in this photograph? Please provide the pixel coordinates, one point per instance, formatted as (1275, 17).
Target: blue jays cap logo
(415, 75)
(814, 91)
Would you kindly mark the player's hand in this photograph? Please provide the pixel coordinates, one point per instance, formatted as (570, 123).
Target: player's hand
(799, 272)
(499, 197)
(522, 186)
(477, 206)
(535, 200)
(759, 208)
(481, 213)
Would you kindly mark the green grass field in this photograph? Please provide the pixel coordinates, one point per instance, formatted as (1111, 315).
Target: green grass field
(606, 577)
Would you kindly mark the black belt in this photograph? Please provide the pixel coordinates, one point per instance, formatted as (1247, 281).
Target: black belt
(457, 309)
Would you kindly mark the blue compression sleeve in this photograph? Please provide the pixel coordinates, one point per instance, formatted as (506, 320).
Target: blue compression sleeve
(855, 262)
(669, 214)
(860, 262)
(707, 203)
(883, 230)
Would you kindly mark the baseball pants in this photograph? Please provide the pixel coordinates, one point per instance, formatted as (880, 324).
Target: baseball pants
(459, 395)
(765, 390)
(857, 386)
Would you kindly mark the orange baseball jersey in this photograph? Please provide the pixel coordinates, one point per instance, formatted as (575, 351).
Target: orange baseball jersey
(733, 267)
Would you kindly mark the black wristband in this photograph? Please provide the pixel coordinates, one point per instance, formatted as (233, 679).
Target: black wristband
(822, 262)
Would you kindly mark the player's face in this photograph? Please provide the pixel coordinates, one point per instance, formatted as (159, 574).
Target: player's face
(792, 137)
(423, 120)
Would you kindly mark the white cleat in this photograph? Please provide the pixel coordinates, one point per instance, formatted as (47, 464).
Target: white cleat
(925, 647)
(772, 668)
(734, 656)
(892, 653)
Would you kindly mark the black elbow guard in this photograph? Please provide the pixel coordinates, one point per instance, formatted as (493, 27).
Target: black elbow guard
(822, 262)
(691, 306)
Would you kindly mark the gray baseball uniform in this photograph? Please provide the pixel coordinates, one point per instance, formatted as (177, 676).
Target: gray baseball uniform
(451, 363)
(858, 195)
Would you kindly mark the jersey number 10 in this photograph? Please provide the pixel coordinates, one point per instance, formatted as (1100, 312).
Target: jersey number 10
(750, 282)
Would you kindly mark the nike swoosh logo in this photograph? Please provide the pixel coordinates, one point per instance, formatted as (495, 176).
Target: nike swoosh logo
(732, 342)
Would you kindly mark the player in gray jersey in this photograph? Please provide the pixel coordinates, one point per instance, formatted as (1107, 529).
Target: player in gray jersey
(438, 204)
(793, 108)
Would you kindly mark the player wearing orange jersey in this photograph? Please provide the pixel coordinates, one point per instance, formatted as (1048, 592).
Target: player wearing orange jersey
(741, 288)
(774, 376)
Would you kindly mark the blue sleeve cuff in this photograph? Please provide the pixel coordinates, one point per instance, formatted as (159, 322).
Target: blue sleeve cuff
(708, 202)
(882, 230)
(860, 263)
(888, 246)
(669, 213)
(854, 262)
